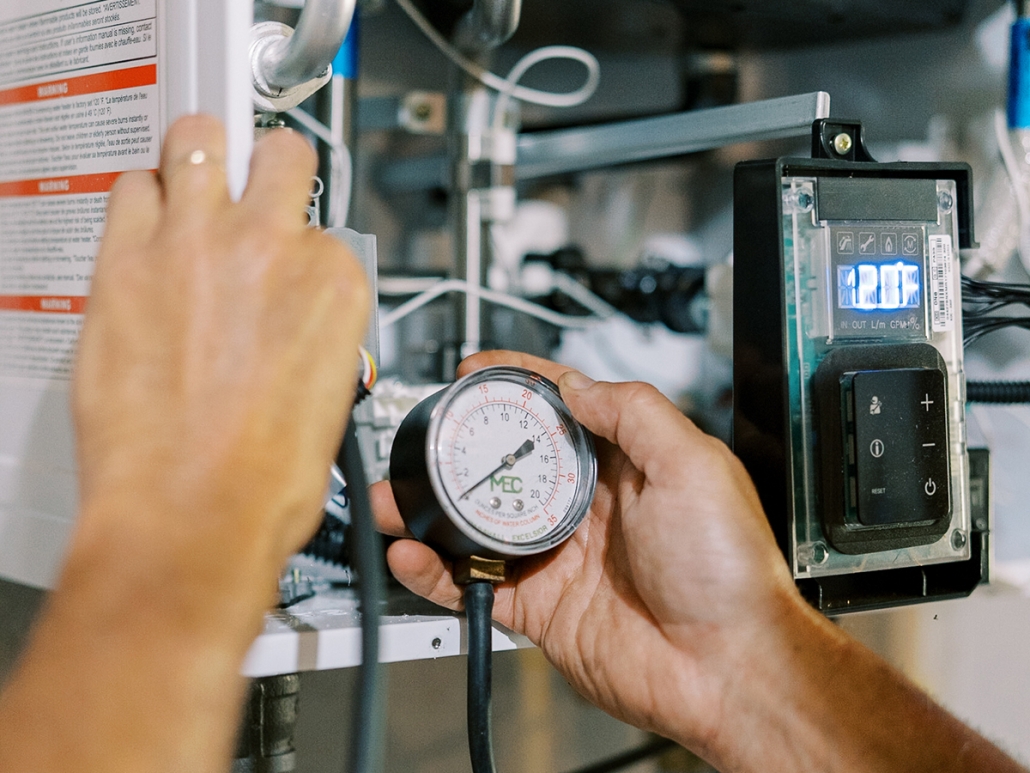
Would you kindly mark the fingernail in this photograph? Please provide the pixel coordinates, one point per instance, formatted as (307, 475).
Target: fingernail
(575, 381)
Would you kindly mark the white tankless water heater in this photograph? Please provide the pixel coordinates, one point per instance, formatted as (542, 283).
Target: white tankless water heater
(87, 89)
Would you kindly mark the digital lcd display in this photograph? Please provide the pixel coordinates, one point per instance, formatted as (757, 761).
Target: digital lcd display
(878, 286)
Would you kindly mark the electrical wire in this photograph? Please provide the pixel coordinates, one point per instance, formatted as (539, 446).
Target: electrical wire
(977, 328)
(1012, 168)
(342, 167)
(501, 85)
(445, 286)
(980, 299)
(369, 371)
(367, 742)
(479, 604)
(535, 57)
(584, 297)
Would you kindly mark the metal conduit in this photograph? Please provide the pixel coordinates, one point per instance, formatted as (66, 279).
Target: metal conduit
(307, 54)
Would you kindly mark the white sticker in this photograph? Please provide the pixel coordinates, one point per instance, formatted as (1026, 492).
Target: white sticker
(941, 284)
(78, 106)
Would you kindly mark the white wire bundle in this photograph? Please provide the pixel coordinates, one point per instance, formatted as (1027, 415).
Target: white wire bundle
(1017, 173)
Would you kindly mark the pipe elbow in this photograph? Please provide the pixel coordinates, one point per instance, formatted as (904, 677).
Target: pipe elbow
(488, 25)
(308, 53)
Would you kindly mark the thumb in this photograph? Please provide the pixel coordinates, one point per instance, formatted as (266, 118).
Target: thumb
(638, 418)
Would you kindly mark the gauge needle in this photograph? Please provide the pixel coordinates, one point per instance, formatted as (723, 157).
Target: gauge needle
(506, 464)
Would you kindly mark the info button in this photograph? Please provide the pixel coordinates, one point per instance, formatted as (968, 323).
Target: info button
(876, 448)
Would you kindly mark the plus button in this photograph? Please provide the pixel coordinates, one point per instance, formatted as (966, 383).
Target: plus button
(927, 402)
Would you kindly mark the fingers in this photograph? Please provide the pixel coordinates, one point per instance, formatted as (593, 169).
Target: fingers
(133, 210)
(193, 168)
(419, 569)
(281, 169)
(388, 518)
(546, 368)
(636, 417)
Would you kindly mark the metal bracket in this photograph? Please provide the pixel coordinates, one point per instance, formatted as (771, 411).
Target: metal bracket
(543, 154)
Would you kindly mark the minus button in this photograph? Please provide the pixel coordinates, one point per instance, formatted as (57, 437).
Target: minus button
(929, 445)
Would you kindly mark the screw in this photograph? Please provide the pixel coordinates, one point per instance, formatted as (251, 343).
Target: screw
(944, 201)
(842, 143)
(495, 502)
(981, 524)
(958, 539)
(437, 644)
(518, 505)
(423, 111)
(813, 555)
(805, 201)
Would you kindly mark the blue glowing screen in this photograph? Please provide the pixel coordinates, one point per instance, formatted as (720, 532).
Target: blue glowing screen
(878, 286)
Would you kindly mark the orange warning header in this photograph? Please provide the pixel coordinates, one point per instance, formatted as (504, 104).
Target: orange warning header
(51, 304)
(60, 186)
(129, 78)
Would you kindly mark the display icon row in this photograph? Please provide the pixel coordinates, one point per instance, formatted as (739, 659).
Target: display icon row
(877, 243)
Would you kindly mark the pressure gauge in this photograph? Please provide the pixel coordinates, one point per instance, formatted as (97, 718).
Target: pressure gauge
(493, 466)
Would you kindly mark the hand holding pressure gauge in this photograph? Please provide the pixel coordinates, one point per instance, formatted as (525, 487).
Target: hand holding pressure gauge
(494, 466)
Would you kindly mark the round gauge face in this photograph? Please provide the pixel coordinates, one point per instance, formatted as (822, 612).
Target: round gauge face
(510, 465)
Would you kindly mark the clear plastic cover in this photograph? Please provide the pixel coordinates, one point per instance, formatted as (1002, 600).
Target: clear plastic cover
(850, 283)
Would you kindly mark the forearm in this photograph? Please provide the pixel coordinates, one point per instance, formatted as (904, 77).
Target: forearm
(820, 701)
(134, 663)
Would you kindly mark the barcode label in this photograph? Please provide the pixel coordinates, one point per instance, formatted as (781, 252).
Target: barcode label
(941, 284)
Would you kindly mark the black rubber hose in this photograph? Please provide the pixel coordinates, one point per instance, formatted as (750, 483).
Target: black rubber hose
(998, 391)
(479, 605)
(367, 741)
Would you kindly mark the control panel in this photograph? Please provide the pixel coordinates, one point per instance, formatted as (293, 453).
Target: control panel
(848, 373)
(899, 446)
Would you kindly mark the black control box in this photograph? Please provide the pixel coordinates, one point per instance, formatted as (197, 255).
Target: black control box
(848, 370)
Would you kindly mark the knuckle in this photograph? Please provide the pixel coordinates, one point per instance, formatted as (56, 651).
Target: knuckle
(640, 395)
(290, 150)
(200, 178)
(193, 132)
(190, 127)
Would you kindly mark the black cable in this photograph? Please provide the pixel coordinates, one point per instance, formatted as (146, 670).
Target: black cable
(998, 391)
(479, 605)
(975, 328)
(367, 742)
(624, 760)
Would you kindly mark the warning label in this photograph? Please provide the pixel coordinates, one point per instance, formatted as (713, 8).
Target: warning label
(78, 106)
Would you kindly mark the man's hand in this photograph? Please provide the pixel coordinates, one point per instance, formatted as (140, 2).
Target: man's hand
(218, 360)
(216, 368)
(672, 609)
(650, 605)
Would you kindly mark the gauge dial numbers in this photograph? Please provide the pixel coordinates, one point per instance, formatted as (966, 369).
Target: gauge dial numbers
(522, 493)
(510, 469)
